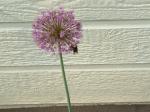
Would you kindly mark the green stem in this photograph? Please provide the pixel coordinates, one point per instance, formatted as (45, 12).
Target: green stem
(65, 83)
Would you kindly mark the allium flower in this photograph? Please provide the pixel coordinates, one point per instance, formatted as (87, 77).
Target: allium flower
(57, 31)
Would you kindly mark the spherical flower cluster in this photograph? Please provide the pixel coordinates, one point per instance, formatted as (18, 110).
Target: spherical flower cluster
(57, 31)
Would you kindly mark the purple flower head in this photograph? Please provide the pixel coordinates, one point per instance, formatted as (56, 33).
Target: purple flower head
(57, 31)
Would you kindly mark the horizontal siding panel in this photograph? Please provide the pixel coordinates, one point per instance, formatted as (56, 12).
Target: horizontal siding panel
(99, 46)
(26, 10)
(46, 87)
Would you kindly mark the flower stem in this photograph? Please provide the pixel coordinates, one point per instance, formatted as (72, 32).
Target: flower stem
(65, 83)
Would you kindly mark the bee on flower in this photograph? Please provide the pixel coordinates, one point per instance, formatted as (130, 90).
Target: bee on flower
(57, 31)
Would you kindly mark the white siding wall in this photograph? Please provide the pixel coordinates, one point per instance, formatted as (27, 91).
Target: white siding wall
(113, 64)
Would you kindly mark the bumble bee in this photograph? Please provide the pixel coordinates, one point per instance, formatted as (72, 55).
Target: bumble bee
(75, 49)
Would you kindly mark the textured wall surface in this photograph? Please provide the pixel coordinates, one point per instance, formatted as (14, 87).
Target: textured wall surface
(113, 64)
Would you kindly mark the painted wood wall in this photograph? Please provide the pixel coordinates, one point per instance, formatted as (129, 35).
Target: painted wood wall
(113, 64)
